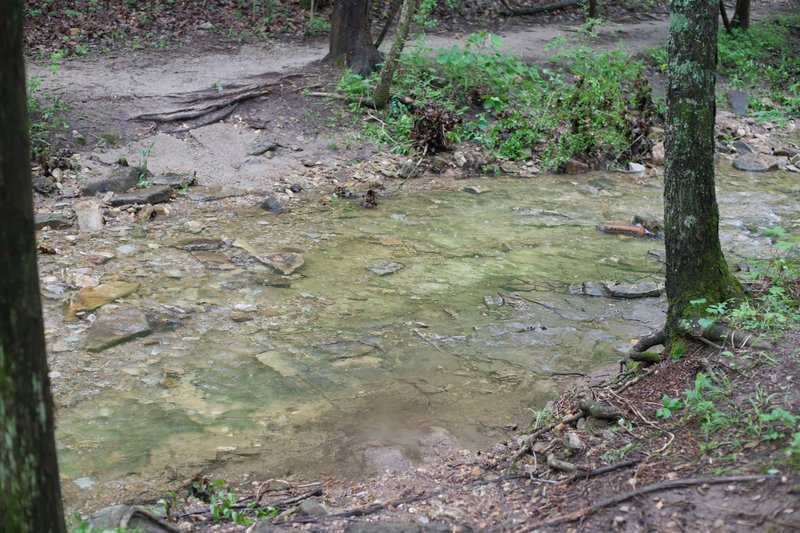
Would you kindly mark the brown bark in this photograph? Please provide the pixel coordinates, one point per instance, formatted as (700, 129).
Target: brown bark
(30, 495)
(741, 15)
(696, 267)
(351, 37)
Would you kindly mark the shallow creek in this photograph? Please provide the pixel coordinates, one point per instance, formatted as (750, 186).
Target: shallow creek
(336, 370)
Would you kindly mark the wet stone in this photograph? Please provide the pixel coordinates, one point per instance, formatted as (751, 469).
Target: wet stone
(157, 194)
(647, 289)
(91, 298)
(279, 362)
(755, 163)
(384, 269)
(210, 194)
(116, 326)
(744, 148)
(475, 189)
(90, 215)
(272, 205)
(53, 221)
(573, 166)
(387, 458)
(198, 245)
(589, 288)
(120, 180)
(285, 263)
(211, 258)
(494, 300)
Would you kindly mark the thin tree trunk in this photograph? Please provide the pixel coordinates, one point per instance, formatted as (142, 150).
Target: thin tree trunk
(30, 495)
(592, 13)
(696, 267)
(351, 38)
(725, 21)
(381, 95)
(741, 15)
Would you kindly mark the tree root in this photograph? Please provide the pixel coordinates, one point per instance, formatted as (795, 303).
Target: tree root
(718, 333)
(527, 444)
(656, 487)
(648, 341)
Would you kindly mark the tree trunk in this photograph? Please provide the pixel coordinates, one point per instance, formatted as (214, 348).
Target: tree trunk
(696, 267)
(381, 96)
(351, 38)
(30, 495)
(741, 15)
(592, 12)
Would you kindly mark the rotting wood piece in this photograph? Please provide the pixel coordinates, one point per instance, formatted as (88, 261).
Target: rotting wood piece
(534, 10)
(599, 409)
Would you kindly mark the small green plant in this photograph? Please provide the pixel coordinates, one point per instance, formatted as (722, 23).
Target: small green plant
(668, 405)
(541, 418)
(144, 171)
(317, 27)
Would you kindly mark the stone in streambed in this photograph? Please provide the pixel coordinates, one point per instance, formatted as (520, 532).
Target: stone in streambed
(647, 289)
(279, 362)
(90, 215)
(755, 163)
(176, 180)
(90, 298)
(384, 269)
(117, 326)
(120, 180)
(53, 221)
(285, 262)
(197, 245)
(157, 194)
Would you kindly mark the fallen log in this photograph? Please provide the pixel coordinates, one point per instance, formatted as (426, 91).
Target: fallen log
(535, 10)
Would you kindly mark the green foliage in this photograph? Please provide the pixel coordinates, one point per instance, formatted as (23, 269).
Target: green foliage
(318, 26)
(596, 108)
(78, 524)
(46, 113)
(668, 405)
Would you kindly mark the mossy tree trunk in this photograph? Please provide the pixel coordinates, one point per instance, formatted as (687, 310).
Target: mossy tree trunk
(696, 267)
(351, 37)
(30, 495)
(381, 95)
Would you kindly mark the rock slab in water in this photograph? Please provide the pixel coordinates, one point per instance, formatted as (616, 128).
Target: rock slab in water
(156, 194)
(90, 215)
(384, 269)
(198, 245)
(755, 163)
(279, 362)
(647, 289)
(53, 221)
(90, 298)
(209, 194)
(117, 326)
(120, 180)
(285, 262)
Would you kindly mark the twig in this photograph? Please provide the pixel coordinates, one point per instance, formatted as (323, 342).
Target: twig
(656, 487)
(602, 470)
(528, 443)
(636, 379)
(241, 505)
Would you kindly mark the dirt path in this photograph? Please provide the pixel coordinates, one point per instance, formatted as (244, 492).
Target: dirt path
(104, 93)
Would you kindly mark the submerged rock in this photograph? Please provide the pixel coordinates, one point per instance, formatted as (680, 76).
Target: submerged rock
(383, 269)
(647, 289)
(90, 298)
(198, 245)
(272, 205)
(117, 326)
(279, 362)
(285, 263)
(90, 215)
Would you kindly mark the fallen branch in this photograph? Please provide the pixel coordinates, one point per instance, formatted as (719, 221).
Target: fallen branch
(656, 487)
(602, 470)
(527, 444)
(211, 118)
(243, 505)
(718, 333)
(648, 341)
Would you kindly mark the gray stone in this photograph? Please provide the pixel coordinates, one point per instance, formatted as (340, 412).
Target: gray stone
(261, 144)
(197, 245)
(176, 180)
(272, 205)
(636, 167)
(210, 194)
(90, 215)
(494, 300)
(44, 184)
(738, 102)
(285, 263)
(120, 180)
(280, 362)
(311, 507)
(658, 153)
(755, 163)
(474, 189)
(589, 288)
(785, 151)
(53, 221)
(384, 269)
(723, 148)
(156, 194)
(127, 249)
(744, 148)
(408, 170)
(647, 289)
(116, 326)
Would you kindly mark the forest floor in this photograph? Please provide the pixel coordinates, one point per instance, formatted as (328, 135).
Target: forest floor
(721, 459)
